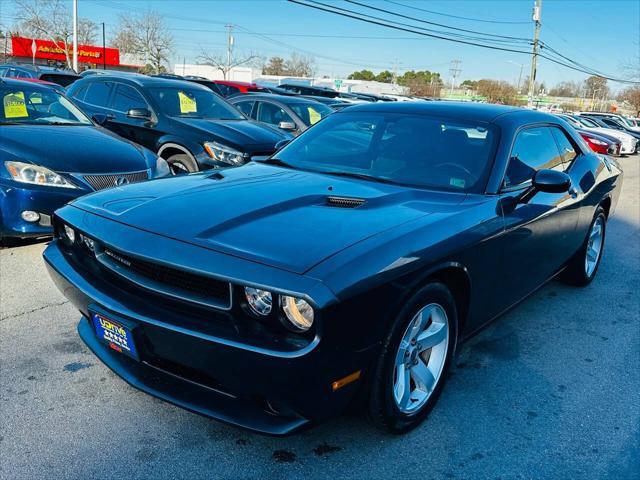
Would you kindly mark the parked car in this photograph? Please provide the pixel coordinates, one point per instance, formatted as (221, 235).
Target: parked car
(348, 267)
(52, 153)
(335, 103)
(612, 123)
(626, 122)
(602, 140)
(185, 123)
(599, 143)
(309, 90)
(61, 77)
(210, 84)
(229, 88)
(292, 114)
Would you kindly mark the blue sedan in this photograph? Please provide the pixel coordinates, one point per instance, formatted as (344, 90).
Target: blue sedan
(52, 153)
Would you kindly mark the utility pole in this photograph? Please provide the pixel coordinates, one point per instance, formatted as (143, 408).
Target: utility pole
(75, 36)
(229, 49)
(454, 72)
(104, 49)
(537, 11)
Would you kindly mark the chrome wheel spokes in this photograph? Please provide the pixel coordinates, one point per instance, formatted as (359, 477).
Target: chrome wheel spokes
(594, 246)
(420, 358)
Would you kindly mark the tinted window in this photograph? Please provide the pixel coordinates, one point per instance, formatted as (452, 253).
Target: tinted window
(534, 149)
(194, 103)
(126, 97)
(79, 93)
(398, 148)
(98, 93)
(272, 114)
(37, 106)
(567, 149)
(245, 107)
(62, 80)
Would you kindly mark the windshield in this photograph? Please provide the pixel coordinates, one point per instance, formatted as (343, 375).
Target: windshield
(412, 150)
(310, 113)
(188, 102)
(586, 122)
(26, 105)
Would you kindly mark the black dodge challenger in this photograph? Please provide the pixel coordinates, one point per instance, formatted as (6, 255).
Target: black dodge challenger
(346, 267)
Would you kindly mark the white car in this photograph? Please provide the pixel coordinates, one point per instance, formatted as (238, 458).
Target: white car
(626, 121)
(629, 143)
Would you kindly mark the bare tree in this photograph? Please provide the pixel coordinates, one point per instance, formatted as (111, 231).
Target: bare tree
(498, 91)
(631, 95)
(274, 67)
(145, 35)
(299, 66)
(52, 20)
(226, 63)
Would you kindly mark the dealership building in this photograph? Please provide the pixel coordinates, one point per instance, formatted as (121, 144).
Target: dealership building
(47, 52)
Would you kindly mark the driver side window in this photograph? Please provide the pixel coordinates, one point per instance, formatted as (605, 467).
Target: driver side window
(534, 149)
(272, 114)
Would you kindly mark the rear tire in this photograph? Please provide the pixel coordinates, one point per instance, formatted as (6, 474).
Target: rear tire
(416, 354)
(181, 163)
(582, 268)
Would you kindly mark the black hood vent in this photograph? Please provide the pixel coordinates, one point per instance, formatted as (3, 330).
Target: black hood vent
(344, 202)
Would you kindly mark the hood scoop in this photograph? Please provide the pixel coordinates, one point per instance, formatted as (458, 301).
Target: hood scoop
(344, 202)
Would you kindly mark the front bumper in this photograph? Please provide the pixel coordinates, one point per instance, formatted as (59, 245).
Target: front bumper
(14, 199)
(266, 391)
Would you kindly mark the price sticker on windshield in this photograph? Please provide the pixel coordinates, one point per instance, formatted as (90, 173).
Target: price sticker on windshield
(314, 116)
(15, 105)
(187, 104)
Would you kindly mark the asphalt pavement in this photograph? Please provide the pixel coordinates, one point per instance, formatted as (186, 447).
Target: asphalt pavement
(550, 390)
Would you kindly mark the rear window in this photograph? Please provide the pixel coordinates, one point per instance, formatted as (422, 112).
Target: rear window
(60, 79)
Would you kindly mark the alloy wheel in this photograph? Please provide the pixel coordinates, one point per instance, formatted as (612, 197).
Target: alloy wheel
(594, 246)
(420, 358)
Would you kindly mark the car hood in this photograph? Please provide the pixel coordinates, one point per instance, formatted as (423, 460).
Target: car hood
(244, 135)
(71, 149)
(275, 216)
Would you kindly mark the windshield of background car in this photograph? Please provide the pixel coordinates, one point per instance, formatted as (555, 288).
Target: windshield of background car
(193, 103)
(587, 122)
(412, 150)
(310, 113)
(25, 105)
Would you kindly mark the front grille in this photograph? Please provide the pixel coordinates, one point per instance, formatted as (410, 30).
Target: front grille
(181, 284)
(100, 182)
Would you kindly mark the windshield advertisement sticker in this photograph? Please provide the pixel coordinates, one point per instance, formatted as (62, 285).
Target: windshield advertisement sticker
(187, 104)
(15, 105)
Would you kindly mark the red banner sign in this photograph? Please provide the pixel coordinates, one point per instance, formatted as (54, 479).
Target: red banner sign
(48, 50)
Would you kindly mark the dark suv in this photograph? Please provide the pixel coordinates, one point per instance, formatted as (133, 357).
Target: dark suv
(185, 123)
(59, 76)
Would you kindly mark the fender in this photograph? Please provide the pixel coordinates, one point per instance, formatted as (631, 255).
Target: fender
(164, 145)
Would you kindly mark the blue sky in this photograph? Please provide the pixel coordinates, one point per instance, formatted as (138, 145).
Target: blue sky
(600, 34)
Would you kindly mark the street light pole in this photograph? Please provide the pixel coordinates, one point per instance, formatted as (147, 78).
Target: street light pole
(229, 50)
(104, 50)
(75, 35)
(537, 11)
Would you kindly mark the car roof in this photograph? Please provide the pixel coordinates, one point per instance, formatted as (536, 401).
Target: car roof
(40, 68)
(233, 82)
(144, 80)
(286, 99)
(481, 112)
(39, 85)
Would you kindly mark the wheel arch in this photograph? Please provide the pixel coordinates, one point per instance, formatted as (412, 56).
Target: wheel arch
(168, 149)
(606, 205)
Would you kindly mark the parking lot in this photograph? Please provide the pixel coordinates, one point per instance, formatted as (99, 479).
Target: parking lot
(550, 390)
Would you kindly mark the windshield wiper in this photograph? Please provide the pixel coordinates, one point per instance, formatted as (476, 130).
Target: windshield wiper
(360, 176)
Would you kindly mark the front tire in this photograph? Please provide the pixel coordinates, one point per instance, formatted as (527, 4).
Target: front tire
(582, 268)
(416, 354)
(181, 163)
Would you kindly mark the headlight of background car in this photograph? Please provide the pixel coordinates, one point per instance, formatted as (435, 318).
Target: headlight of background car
(259, 301)
(222, 153)
(35, 174)
(298, 312)
(162, 167)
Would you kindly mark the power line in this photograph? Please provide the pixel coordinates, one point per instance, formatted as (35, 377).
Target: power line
(390, 12)
(457, 16)
(412, 29)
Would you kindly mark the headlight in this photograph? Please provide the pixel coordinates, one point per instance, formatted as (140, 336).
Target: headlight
(260, 301)
(35, 174)
(68, 234)
(162, 167)
(298, 312)
(225, 154)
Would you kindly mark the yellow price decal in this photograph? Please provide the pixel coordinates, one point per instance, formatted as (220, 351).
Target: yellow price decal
(35, 98)
(187, 104)
(15, 106)
(314, 116)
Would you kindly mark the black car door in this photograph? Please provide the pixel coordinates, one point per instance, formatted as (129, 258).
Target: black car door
(140, 130)
(539, 231)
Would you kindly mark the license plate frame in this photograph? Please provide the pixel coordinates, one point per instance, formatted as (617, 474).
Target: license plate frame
(116, 334)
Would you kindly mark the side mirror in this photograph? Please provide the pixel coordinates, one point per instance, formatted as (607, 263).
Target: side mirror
(551, 181)
(282, 143)
(100, 118)
(289, 126)
(141, 113)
